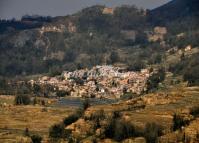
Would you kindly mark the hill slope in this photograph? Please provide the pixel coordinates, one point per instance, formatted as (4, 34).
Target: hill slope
(173, 10)
(95, 36)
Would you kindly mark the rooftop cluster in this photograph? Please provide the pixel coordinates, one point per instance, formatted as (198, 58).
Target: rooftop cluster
(100, 81)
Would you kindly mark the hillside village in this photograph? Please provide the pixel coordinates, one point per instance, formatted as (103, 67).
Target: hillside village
(102, 75)
(100, 81)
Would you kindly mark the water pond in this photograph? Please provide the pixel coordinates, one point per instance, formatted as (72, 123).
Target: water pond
(78, 102)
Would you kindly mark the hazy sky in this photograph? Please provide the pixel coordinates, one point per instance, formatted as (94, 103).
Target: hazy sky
(18, 8)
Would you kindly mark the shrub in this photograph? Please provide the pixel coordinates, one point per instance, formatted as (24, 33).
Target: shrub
(155, 59)
(137, 65)
(127, 96)
(43, 103)
(62, 93)
(195, 111)
(36, 139)
(35, 101)
(57, 131)
(155, 79)
(116, 114)
(114, 57)
(178, 122)
(26, 132)
(2, 83)
(191, 76)
(54, 71)
(197, 136)
(22, 100)
(72, 118)
(44, 110)
(36, 89)
(123, 130)
(97, 116)
(151, 132)
(86, 104)
(119, 130)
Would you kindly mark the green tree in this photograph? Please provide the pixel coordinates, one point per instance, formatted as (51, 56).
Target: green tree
(36, 139)
(22, 100)
(191, 75)
(57, 131)
(62, 93)
(36, 89)
(86, 104)
(136, 65)
(151, 132)
(178, 122)
(155, 79)
(119, 130)
(2, 83)
(73, 117)
(114, 57)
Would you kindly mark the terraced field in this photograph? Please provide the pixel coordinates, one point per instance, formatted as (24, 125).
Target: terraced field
(160, 108)
(15, 119)
(156, 107)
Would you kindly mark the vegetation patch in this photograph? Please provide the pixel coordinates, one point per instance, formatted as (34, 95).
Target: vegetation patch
(179, 122)
(22, 100)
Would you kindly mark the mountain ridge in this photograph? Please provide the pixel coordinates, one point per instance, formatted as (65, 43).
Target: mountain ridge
(173, 10)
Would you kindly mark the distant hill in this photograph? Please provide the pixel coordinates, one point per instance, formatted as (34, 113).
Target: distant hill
(173, 10)
(26, 22)
(93, 36)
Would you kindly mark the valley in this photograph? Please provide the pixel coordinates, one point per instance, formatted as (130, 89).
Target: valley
(101, 75)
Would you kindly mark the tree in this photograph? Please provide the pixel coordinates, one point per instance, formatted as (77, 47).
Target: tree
(156, 58)
(57, 131)
(2, 83)
(35, 101)
(191, 75)
(36, 139)
(26, 132)
(73, 117)
(97, 116)
(36, 89)
(70, 119)
(114, 57)
(62, 93)
(54, 71)
(178, 122)
(22, 100)
(195, 111)
(136, 65)
(155, 79)
(118, 129)
(151, 132)
(86, 104)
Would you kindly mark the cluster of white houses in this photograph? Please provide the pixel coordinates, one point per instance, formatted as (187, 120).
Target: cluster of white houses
(100, 81)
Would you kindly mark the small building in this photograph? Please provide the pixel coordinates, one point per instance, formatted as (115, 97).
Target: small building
(180, 35)
(108, 10)
(160, 30)
(72, 28)
(157, 34)
(188, 48)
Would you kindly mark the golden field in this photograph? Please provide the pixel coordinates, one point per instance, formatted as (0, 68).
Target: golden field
(15, 119)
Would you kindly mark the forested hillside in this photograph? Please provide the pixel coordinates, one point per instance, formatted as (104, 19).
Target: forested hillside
(98, 35)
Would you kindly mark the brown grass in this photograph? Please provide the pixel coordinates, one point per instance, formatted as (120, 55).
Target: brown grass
(15, 119)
